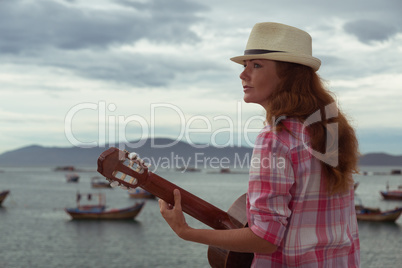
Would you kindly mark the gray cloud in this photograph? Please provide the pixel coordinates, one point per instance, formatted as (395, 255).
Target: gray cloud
(33, 25)
(137, 69)
(81, 39)
(369, 30)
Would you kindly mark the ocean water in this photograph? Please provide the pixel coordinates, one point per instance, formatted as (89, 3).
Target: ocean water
(35, 231)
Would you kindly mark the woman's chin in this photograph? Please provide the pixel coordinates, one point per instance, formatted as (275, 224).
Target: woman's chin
(246, 99)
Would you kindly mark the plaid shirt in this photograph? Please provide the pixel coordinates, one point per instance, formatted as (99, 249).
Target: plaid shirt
(288, 205)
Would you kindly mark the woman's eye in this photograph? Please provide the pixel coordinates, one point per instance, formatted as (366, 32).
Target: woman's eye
(255, 65)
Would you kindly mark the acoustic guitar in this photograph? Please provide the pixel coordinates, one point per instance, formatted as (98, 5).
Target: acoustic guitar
(117, 166)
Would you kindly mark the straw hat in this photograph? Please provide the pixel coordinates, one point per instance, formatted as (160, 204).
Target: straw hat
(275, 41)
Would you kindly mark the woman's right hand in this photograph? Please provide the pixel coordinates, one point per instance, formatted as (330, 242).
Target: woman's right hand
(173, 214)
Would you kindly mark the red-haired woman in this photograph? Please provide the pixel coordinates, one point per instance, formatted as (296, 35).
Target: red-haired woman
(300, 210)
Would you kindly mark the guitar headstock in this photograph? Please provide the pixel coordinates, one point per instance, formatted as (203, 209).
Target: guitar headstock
(116, 165)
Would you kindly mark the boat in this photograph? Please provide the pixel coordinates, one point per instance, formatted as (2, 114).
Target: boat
(94, 213)
(99, 182)
(140, 194)
(392, 194)
(227, 171)
(3, 196)
(99, 211)
(72, 177)
(375, 214)
(65, 168)
(356, 184)
(188, 169)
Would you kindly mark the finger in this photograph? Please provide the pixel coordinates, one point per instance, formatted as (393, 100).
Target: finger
(177, 198)
(162, 205)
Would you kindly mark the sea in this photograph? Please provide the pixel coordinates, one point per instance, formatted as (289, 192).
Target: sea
(35, 231)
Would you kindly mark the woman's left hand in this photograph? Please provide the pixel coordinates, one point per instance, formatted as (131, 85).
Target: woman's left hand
(174, 214)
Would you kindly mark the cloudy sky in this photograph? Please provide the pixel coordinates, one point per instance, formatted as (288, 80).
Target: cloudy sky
(85, 73)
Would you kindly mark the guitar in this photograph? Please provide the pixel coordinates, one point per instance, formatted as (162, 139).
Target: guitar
(114, 162)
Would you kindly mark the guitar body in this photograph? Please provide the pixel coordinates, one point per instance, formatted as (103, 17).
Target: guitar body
(112, 161)
(219, 257)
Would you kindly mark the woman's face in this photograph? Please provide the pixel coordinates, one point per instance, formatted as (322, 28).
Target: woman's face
(259, 80)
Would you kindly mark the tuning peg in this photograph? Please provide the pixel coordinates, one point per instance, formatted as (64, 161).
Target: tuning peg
(114, 184)
(123, 187)
(132, 156)
(142, 164)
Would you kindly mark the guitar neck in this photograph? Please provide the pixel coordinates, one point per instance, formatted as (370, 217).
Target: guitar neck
(191, 204)
(111, 162)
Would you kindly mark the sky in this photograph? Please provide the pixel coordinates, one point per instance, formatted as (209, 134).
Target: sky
(89, 73)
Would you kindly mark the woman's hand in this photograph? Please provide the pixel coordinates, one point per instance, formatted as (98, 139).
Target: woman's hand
(241, 239)
(174, 215)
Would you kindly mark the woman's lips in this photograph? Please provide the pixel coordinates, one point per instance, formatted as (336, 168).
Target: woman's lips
(245, 88)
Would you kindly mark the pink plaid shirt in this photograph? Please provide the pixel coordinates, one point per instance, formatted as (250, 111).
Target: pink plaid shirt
(288, 205)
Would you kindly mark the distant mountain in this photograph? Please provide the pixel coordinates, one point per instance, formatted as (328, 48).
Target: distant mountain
(380, 159)
(174, 154)
(158, 151)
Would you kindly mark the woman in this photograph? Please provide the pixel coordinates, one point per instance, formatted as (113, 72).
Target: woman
(300, 211)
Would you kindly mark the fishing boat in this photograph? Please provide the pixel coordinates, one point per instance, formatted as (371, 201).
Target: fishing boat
(3, 196)
(392, 194)
(356, 184)
(99, 211)
(140, 194)
(99, 182)
(188, 169)
(65, 168)
(375, 214)
(73, 177)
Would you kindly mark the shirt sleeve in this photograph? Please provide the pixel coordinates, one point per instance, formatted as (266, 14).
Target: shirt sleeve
(271, 178)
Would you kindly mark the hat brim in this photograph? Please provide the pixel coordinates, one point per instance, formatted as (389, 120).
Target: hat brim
(282, 56)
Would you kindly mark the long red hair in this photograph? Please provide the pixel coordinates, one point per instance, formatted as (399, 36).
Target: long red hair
(300, 94)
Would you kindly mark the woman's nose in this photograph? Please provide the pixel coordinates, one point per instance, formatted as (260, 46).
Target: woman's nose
(243, 75)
